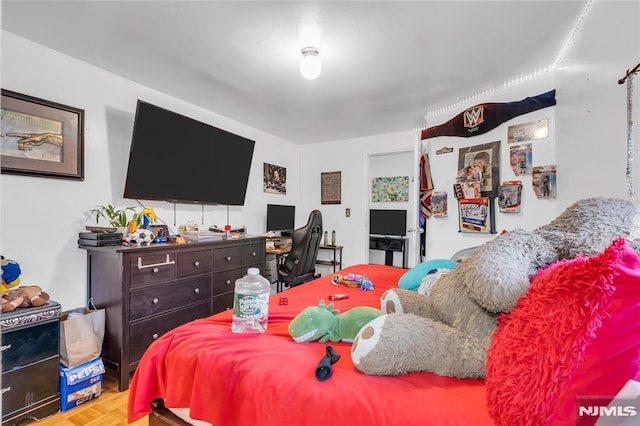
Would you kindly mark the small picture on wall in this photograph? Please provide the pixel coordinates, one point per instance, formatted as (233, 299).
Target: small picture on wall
(520, 159)
(544, 181)
(481, 163)
(439, 204)
(532, 130)
(390, 189)
(275, 179)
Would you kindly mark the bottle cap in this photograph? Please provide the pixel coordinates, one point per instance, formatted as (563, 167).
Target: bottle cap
(253, 271)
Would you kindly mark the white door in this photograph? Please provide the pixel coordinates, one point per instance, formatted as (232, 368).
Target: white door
(388, 191)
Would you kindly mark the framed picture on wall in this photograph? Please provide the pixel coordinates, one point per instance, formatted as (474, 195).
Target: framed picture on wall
(331, 187)
(41, 138)
(481, 163)
(275, 179)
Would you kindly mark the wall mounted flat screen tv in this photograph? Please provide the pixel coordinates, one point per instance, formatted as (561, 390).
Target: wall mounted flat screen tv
(178, 159)
(388, 222)
(280, 217)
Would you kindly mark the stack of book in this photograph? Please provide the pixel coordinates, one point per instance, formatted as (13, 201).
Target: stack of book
(99, 239)
(195, 236)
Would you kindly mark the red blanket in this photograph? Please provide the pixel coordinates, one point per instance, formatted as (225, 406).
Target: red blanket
(268, 379)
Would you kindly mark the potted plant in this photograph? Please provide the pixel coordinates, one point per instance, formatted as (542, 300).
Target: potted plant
(116, 216)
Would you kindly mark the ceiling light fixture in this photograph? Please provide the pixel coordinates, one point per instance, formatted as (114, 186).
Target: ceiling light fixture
(310, 66)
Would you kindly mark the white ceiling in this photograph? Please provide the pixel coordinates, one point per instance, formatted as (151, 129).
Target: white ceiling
(385, 63)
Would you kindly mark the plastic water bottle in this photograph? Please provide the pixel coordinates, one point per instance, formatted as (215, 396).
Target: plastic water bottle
(251, 303)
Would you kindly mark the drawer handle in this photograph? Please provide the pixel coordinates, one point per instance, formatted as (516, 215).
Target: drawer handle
(155, 300)
(196, 263)
(253, 254)
(153, 265)
(196, 290)
(155, 336)
(228, 258)
(5, 347)
(228, 281)
(155, 270)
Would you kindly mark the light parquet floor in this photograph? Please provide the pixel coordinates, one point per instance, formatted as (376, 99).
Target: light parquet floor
(110, 409)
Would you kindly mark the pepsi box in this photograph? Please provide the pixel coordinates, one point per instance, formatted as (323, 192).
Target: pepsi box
(80, 384)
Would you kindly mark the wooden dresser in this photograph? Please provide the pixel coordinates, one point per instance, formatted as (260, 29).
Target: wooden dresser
(30, 363)
(149, 290)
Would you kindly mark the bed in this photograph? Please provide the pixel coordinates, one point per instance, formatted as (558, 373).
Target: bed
(221, 378)
(558, 358)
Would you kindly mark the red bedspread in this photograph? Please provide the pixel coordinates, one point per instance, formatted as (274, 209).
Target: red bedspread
(268, 379)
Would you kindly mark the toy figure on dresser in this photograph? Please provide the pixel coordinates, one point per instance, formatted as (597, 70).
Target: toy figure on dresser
(23, 297)
(10, 274)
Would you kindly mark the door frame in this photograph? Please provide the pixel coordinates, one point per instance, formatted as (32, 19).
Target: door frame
(412, 247)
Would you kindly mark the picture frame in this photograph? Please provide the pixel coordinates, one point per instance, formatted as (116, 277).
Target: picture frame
(390, 189)
(274, 179)
(331, 187)
(487, 157)
(41, 138)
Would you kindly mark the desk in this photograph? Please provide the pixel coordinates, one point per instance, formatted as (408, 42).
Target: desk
(273, 257)
(389, 245)
(337, 250)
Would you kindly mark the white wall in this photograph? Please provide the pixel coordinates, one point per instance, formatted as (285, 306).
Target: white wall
(351, 157)
(592, 107)
(443, 238)
(41, 217)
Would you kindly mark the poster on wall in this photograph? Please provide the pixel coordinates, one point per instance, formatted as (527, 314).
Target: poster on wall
(533, 130)
(520, 158)
(544, 181)
(390, 189)
(510, 196)
(274, 179)
(481, 163)
(330, 187)
(439, 204)
(474, 215)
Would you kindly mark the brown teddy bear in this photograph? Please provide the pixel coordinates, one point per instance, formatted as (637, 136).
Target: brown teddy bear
(23, 297)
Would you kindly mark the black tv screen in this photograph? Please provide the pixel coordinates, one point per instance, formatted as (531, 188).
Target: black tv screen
(388, 222)
(280, 217)
(178, 159)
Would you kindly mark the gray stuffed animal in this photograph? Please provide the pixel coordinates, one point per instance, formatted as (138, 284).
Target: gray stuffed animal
(448, 332)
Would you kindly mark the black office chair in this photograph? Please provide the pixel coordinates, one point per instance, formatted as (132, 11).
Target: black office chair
(299, 265)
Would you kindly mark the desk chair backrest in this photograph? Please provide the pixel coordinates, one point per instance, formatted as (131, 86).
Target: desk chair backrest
(304, 247)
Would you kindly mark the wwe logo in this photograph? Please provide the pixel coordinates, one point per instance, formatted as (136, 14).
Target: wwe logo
(474, 116)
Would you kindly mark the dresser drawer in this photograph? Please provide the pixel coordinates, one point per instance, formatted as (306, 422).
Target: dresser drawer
(152, 268)
(227, 257)
(27, 386)
(253, 253)
(143, 333)
(26, 345)
(160, 298)
(224, 282)
(194, 263)
(222, 302)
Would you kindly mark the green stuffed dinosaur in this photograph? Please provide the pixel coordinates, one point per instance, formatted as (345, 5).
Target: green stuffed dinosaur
(324, 323)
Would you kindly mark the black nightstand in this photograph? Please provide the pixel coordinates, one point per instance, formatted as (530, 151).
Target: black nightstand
(30, 362)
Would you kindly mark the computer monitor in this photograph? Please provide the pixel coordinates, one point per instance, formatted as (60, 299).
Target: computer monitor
(388, 222)
(280, 218)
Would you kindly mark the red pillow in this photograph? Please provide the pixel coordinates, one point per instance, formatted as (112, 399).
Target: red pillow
(575, 334)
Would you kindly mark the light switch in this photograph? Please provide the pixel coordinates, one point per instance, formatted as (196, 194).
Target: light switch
(347, 212)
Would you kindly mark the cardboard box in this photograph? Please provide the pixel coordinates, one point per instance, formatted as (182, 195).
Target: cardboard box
(80, 384)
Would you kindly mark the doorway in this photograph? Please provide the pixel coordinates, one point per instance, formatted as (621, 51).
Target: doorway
(393, 188)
